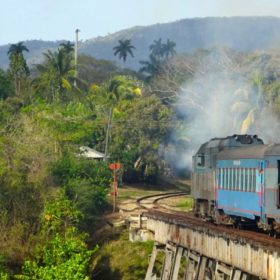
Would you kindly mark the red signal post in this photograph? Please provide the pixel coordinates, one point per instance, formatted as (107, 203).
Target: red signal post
(114, 185)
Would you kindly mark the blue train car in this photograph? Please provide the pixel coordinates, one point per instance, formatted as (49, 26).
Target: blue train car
(248, 185)
(204, 170)
(236, 180)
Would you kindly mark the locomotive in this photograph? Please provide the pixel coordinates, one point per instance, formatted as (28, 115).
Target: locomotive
(236, 180)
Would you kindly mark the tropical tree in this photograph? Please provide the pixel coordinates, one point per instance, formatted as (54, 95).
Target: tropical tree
(159, 54)
(5, 85)
(169, 48)
(18, 48)
(123, 49)
(18, 68)
(111, 94)
(138, 136)
(157, 48)
(56, 73)
(162, 50)
(68, 47)
(151, 67)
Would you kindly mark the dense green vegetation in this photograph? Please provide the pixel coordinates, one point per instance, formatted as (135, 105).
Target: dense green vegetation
(50, 195)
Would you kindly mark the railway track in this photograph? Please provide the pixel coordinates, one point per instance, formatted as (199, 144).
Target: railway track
(151, 207)
(242, 247)
(152, 201)
(188, 220)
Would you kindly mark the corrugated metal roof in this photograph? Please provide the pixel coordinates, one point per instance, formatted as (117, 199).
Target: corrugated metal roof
(258, 151)
(230, 142)
(90, 153)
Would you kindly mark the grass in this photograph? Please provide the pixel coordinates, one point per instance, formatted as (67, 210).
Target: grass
(186, 204)
(118, 258)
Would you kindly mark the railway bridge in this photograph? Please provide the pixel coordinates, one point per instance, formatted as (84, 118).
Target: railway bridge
(194, 249)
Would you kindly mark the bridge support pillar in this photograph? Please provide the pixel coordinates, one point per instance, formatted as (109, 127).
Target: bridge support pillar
(169, 262)
(177, 263)
(223, 271)
(198, 267)
(150, 275)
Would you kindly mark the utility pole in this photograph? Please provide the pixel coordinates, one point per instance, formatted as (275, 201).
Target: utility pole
(108, 134)
(76, 56)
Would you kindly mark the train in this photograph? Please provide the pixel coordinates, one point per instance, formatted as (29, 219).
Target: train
(236, 181)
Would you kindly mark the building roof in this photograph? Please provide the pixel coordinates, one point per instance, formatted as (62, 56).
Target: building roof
(91, 153)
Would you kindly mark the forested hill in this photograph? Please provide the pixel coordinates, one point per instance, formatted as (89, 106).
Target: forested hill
(241, 33)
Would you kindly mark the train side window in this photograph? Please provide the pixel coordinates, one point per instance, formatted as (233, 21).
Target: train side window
(251, 179)
(245, 180)
(225, 178)
(232, 178)
(237, 179)
(248, 180)
(221, 178)
(254, 180)
(226, 185)
(247, 185)
(242, 179)
(229, 177)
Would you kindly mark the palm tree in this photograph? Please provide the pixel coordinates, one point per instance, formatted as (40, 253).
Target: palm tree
(111, 94)
(56, 72)
(123, 49)
(18, 68)
(169, 48)
(68, 47)
(163, 50)
(18, 48)
(157, 48)
(151, 67)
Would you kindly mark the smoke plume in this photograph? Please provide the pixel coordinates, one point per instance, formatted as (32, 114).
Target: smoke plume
(220, 101)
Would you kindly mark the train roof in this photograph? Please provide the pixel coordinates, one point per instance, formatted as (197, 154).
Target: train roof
(230, 142)
(257, 151)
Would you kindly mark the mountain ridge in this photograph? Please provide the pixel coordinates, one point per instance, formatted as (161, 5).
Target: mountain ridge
(240, 33)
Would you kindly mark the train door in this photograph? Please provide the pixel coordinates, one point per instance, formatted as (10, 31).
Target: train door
(260, 190)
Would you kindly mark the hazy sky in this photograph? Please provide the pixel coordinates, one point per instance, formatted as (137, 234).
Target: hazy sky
(57, 19)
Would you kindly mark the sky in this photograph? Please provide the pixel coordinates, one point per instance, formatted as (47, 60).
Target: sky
(22, 20)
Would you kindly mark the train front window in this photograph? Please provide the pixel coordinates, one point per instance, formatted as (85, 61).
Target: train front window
(200, 160)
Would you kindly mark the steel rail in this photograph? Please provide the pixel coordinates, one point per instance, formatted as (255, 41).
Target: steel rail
(153, 199)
